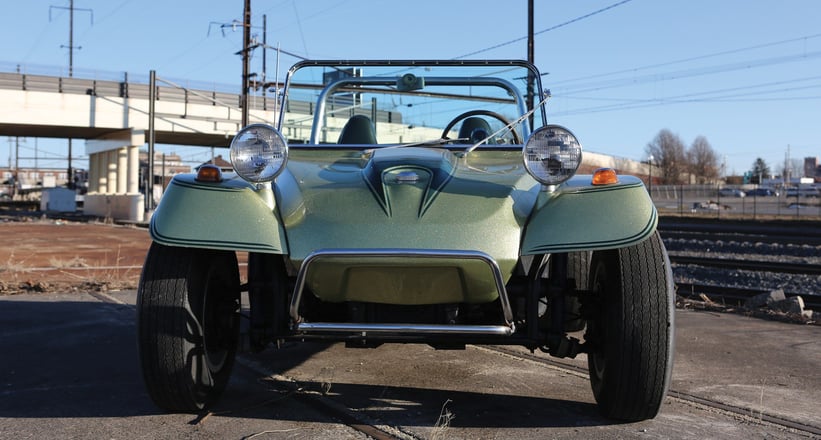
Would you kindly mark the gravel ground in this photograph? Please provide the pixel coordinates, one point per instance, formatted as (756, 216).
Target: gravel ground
(39, 242)
(791, 283)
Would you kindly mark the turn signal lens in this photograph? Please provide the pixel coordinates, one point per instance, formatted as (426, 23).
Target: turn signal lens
(605, 176)
(209, 173)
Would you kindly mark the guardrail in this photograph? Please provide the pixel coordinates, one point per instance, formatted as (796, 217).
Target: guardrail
(122, 85)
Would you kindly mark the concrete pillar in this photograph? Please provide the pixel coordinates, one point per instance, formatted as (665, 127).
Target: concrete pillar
(122, 170)
(133, 170)
(93, 182)
(112, 172)
(102, 172)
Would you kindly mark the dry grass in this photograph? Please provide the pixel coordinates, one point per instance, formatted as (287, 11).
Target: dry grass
(63, 264)
(11, 265)
(440, 429)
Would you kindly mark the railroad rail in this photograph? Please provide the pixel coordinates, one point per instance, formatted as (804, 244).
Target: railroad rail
(776, 231)
(763, 266)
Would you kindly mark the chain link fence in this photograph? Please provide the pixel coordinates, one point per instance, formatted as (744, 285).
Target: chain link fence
(739, 202)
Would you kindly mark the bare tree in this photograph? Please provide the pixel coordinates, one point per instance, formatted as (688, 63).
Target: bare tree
(791, 169)
(703, 161)
(668, 155)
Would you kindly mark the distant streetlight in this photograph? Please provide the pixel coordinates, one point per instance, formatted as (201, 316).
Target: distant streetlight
(650, 175)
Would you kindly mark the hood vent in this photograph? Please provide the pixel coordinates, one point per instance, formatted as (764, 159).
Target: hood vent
(405, 181)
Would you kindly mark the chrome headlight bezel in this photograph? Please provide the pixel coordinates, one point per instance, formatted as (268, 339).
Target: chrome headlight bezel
(552, 154)
(259, 153)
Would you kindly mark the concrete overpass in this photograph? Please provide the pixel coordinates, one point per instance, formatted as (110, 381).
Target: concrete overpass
(112, 117)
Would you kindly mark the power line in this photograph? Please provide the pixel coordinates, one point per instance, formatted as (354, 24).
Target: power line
(721, 96)
(690, 59)
(599, 11)
(687, 73)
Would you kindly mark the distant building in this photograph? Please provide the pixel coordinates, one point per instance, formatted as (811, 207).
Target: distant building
(165, 167)
(812, 169)
(32, 177)
(223, 164)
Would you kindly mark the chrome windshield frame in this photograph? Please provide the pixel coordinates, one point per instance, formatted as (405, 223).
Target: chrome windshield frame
(532, 74)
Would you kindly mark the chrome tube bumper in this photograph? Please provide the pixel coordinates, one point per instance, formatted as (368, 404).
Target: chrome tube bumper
(424, 329)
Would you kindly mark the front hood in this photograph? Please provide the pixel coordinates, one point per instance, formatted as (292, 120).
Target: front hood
(405, 198)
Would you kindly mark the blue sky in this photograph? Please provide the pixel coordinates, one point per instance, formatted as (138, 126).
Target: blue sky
(744, 74)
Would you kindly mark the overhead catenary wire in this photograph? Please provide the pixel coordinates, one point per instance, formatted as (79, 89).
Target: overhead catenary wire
(560, 25)
(721, 96)
(689, 59)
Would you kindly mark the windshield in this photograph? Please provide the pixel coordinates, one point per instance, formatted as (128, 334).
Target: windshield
(400, 102)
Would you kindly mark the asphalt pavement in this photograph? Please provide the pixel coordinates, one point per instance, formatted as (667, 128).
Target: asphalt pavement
(69, 369)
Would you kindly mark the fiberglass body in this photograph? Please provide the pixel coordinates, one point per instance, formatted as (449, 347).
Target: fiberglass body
(412, 201)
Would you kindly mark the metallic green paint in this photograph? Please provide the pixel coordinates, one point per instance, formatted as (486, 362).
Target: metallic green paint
(231, 215)
(347, 198)
(579, 216)
(402, 280)
(351, 201)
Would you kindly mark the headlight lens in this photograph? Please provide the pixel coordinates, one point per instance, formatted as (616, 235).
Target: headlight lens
(259, 153)
(552, 154)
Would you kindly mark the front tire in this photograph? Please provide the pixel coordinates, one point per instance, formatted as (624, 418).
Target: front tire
(631, 332)
(187, 325)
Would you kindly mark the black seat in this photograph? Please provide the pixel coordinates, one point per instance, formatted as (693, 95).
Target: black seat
(358, 130)
(475, 129)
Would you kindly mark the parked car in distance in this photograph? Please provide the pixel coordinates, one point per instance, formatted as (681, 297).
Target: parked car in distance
(763, 192)
(731, 192)
(804, 191)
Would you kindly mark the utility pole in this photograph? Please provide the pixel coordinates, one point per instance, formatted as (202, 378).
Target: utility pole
(246, 41)
(530, 58)
(70, 171)
(71, 46)
(264, 60)
(149, 183)
(787, 168)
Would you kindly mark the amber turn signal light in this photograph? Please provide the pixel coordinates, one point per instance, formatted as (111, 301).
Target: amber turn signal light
(209, 173)
(605, 176)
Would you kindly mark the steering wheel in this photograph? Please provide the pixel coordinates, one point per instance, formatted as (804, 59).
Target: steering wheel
(494, 115)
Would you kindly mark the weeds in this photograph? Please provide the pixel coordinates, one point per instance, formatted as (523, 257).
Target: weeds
(439, 431)
(12, 266)
(63, 264)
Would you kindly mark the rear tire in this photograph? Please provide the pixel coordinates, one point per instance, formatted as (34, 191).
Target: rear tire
(187, 325)
(631, 333)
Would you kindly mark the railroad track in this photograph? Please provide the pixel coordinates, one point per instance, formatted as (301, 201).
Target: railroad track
(763, 266)
(781, 232)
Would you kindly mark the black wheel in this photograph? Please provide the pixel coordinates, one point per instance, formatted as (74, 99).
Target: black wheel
(631, 332)
(187, 325)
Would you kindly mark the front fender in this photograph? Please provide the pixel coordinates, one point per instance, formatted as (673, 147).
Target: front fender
(230, 215)
(579, 216)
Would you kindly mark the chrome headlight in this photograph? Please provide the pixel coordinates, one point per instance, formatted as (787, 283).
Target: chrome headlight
(552, 154)
(259, 153)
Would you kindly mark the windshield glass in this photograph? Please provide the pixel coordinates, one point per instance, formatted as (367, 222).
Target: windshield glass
(391, 103)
